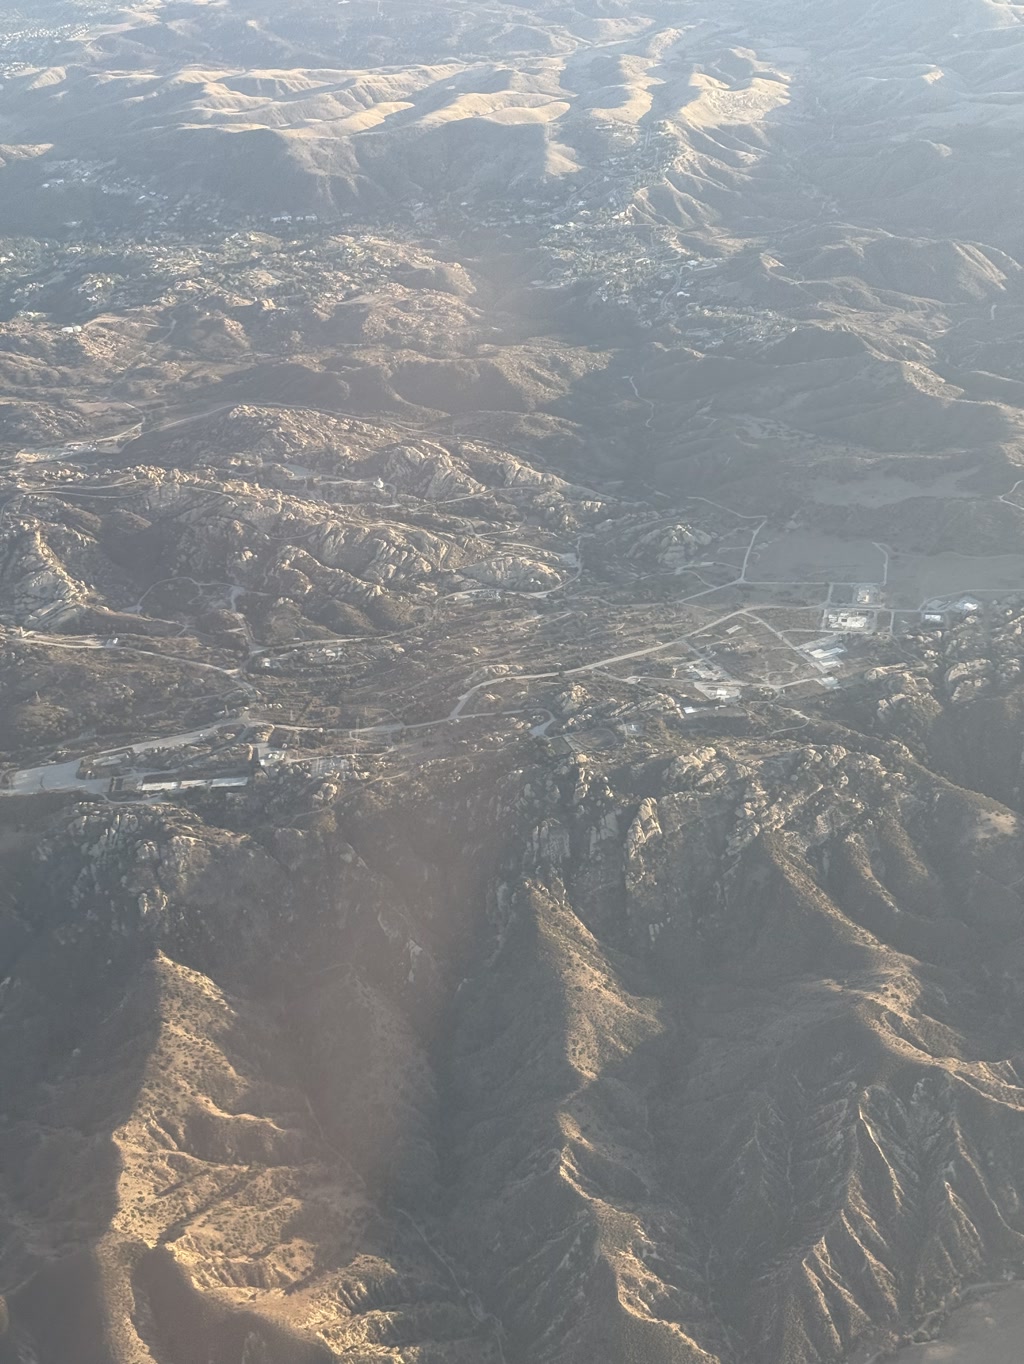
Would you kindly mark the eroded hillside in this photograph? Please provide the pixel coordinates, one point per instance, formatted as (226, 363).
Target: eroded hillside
(711, 1053)
(511, 615)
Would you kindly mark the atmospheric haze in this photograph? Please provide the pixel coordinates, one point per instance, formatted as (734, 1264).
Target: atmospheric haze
(511, 682)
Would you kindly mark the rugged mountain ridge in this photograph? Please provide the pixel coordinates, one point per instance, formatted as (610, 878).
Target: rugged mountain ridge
(489, 1099)
(510, 614)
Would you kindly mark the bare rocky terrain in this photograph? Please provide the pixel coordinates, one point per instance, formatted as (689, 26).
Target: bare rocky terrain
(511, 685)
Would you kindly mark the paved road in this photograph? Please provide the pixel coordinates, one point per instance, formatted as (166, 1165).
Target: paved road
(61, 776)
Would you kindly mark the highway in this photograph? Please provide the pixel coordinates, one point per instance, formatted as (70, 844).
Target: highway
(62, 776)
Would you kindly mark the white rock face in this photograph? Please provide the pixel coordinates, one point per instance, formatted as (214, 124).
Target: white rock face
(33, 577)
(516, 572)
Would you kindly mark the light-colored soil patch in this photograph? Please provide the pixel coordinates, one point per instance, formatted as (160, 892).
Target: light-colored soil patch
(994, 824)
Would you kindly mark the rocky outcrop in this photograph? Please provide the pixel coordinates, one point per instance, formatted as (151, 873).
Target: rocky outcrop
(543, 1068)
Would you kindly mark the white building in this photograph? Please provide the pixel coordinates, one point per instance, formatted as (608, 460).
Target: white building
(859, 622)
(833, 651)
